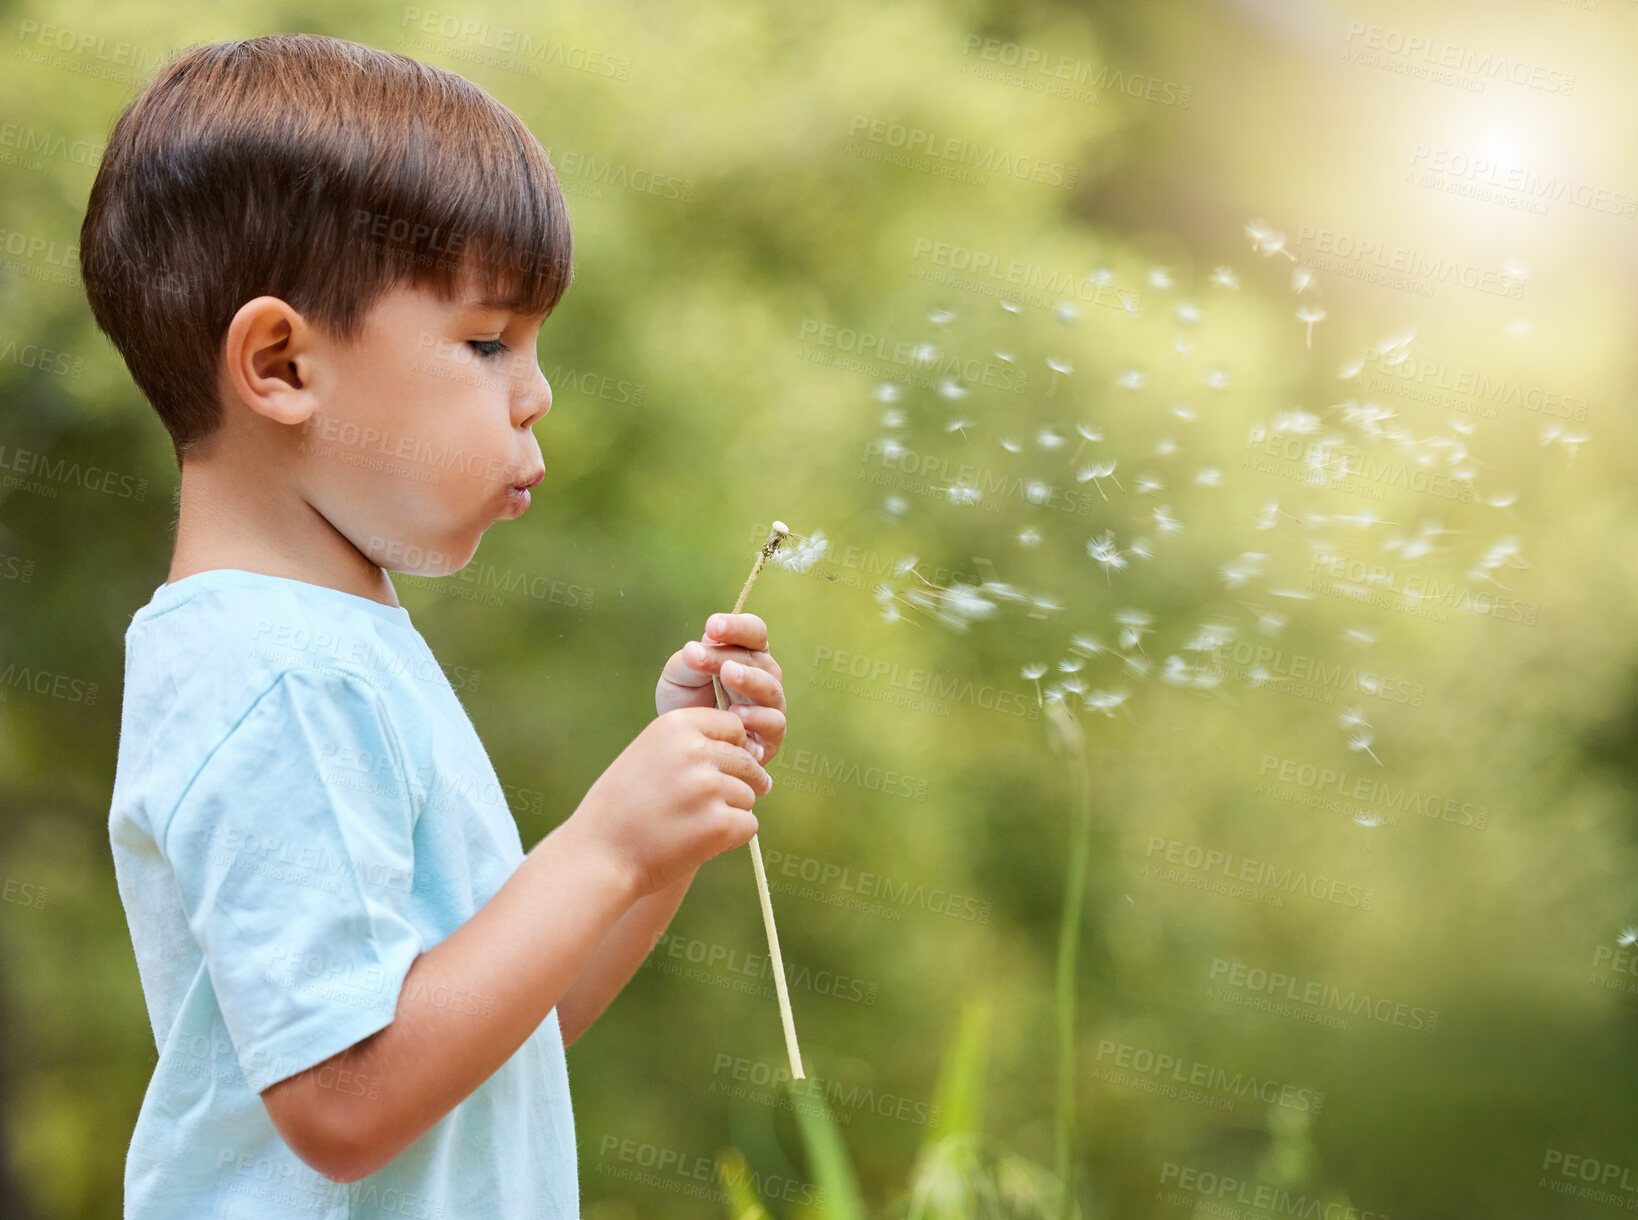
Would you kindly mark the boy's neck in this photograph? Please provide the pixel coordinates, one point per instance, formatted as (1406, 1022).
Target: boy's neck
(232, 518)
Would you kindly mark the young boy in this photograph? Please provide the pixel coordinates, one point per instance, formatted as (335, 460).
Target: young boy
(325, 266)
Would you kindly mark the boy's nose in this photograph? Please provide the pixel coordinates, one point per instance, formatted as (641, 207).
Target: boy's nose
(537, 402)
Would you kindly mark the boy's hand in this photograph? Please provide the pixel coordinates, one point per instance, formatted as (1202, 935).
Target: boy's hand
(735, 647)
(679, 794)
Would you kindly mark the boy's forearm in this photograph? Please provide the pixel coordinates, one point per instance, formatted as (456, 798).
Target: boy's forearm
(467, 1004)
(618, 957)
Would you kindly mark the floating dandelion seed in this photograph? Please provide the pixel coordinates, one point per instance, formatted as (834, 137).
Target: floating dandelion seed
(1164, 520)
(1503, 499)
(893, 417)
(887, 391)
(1048, 439)
(1186, 413)
(952, 389)
(1352, 369)
(1359, 637)
(1146, 485)
(1087, 433)
(1060, 368)
(1085, 645)
(1302, 279)
(924, 353)
(1004, 357)
(1553, 433)
(1160, 278)
(1187, 314)
(1105, 701)
(961, 426)
(1097, 471)
(1628, 936)
(1238, 573)
(1104, 550)
(1130, 303)
(1517, 328)
(1037, 492)
(1310, 314)
(940, 317)
(891, 447)
(1133, 625)
(1131, 379)
(1209, 476)
(1368, 820)
(1012, 444)
(896, 506)
(1217, 379)
(1360, 736)
(1066, 312)
(962, 493)
(1011, 306)
(1033, 672)
(1165, 446)
(1395, 349)
(1029, 537)
(1225, 276)
(1141, 548)
(1267, 241)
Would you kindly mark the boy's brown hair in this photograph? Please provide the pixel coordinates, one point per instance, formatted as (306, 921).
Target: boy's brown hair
(316, 170)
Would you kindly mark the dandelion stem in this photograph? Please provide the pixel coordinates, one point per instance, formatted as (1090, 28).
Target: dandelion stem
(1069, 931)
(775, 536)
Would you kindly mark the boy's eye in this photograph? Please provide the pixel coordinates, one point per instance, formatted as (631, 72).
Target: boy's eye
(486, 347)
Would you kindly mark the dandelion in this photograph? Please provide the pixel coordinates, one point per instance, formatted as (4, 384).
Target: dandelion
(1225, 276)
(1133, 625)
(961, 426)
(1310, 314)
(1096, 472)
(1033, 672)
(807, 552)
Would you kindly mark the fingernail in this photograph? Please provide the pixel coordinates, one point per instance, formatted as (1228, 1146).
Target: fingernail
(715, 624)
(694, 650)
(730, 669)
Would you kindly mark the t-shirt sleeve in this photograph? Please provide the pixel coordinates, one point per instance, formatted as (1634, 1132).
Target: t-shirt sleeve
(293, 852)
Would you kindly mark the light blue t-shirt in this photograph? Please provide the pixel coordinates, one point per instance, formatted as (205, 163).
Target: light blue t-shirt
(301, 806)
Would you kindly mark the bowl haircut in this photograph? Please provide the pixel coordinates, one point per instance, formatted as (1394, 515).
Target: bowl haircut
(316, 170)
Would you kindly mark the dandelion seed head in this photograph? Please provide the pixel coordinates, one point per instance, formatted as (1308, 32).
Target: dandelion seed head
(1034, 670)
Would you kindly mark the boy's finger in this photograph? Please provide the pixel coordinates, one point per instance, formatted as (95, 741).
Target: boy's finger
(757, 685)
(768, 723)
(709, 657)
(713, 722)
(746, 630)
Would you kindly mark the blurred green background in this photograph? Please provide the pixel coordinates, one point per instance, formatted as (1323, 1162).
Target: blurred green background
(1345, 830)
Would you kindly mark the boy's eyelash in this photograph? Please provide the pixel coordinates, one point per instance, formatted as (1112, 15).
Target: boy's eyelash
(487, 347)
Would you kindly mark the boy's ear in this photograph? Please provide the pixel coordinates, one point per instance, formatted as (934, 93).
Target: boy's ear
(268, 358)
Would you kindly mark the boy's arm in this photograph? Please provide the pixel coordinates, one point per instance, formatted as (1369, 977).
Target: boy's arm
(466, 1006)
(618, 957)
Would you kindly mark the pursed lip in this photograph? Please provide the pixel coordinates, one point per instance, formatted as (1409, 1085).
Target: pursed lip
(532, 481)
